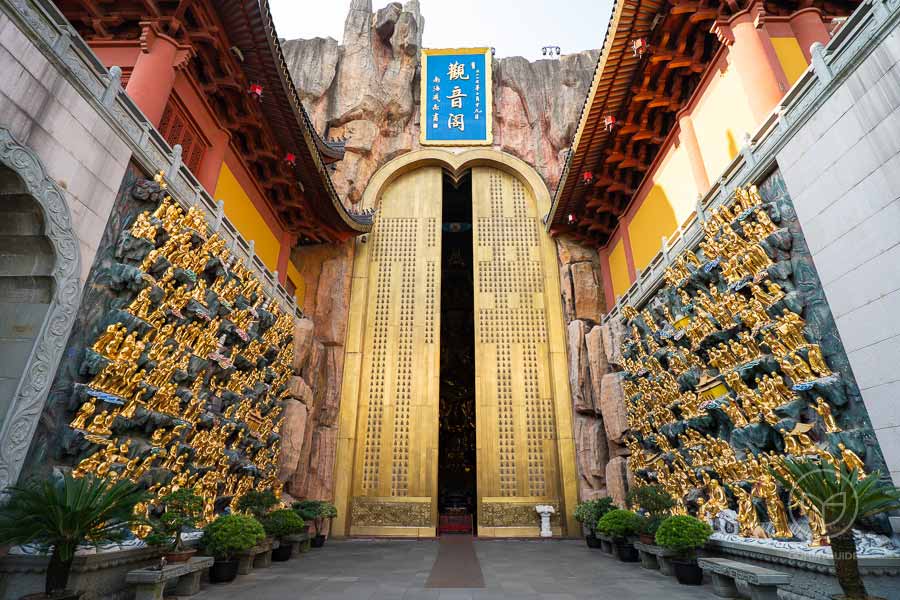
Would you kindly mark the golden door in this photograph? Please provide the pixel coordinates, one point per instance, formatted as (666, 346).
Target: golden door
(515, 412)
(386, 473)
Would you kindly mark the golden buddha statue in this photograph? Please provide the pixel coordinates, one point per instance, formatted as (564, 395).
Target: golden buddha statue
(817, 361)
(851, 459)
(767, 489)
(824, 411)
(84, 413)
(748, 519)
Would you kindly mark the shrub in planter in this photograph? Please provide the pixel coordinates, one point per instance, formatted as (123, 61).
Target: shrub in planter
(648, 528)
(257, 503)
(61, 513)
(684, 535)
(588, 513)
(227, 536)
(280, 524)
(181, 510)
(619, 524)
(842, 497)
(655, 502)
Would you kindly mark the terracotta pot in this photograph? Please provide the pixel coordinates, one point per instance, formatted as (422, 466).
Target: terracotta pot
(223, 571)
(687, 572)
(282, 552)
(318, 541)
(648, 539)
(180, 556)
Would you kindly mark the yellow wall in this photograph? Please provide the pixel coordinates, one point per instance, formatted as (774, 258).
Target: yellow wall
(240, 210)
(654, 219)
(618, 269)
(721, 118)
(790, 56)
(295, 276)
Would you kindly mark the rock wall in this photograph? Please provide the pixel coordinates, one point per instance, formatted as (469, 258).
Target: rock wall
(366, 90)
(594, 358)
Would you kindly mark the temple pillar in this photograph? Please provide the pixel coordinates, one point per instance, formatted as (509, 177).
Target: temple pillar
(688, 138)
(211, 164)
(808, 26)
(753, 57)
(153, 77)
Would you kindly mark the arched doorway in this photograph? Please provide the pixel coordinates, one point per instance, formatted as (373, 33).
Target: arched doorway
(388, 477)
(39, 294)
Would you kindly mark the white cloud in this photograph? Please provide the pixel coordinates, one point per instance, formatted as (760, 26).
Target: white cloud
(513, 27)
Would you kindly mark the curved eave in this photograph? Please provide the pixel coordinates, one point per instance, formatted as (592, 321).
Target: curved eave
(249, 25)
(608, 94)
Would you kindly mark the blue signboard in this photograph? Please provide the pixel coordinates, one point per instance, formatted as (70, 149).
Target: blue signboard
(456, 97)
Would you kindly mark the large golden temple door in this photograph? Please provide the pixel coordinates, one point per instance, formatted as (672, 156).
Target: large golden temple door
(386, 477)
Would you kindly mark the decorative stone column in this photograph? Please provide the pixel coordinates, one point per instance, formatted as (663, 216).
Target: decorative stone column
(545, 510)
(153, 76)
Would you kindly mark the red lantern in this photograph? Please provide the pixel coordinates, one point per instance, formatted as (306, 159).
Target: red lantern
(571, 218)
(256, 90)
(640, 46)
(610, 122)
(587, 177)
(290, 159)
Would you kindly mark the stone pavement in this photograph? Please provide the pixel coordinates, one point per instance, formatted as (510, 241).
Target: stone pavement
(398, 570)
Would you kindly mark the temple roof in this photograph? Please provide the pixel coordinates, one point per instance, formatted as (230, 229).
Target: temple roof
(644, 93)
(235, 45)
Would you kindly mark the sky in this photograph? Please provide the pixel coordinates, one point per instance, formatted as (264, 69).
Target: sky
(512, 27)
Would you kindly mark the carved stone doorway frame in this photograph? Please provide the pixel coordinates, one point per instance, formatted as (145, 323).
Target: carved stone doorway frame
(17, 429)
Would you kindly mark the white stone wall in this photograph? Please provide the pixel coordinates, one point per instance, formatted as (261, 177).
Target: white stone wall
(842, 170)
(43, 111)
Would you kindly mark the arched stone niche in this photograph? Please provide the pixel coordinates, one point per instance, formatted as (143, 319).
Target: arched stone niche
(39, 267)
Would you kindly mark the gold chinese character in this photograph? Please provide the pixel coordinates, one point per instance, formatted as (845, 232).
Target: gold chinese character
(457, 71)
(456, 122)
(456, 97)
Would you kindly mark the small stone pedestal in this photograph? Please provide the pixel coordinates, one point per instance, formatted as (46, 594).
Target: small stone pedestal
(546, 511)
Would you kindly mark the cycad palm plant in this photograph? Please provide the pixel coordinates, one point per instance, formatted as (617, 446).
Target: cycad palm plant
(60, 514)
(842, 497)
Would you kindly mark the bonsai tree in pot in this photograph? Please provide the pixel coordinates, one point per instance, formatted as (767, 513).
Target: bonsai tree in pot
(224, 538)
(619, 524)
(316, 511)
(281, 524)
(588, 513)
(841, 497)
(656, 503)
(59, 514)
(181, 511)
(684, 535)
(257, 503)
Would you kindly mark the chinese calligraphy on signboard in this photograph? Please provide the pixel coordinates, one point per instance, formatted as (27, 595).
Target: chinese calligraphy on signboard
(456, 97)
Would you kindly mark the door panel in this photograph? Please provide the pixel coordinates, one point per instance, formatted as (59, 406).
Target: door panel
(515, 412)
(395, 475)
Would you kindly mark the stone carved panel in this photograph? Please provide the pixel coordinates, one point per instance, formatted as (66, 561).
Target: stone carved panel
(18, 428)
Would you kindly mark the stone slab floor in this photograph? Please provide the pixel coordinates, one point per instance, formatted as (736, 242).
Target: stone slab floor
(399, 570)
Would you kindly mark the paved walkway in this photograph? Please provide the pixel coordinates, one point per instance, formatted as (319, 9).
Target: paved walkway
(399, 570)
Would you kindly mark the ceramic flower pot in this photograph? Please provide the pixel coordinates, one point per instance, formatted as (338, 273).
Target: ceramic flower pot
(687, 572)
(223, 571)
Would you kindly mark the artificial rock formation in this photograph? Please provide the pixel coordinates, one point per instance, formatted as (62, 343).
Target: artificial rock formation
(366, 91)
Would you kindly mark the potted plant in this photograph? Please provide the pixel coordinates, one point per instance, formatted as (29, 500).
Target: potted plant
(224, 538)
(281, 524)
(257, 503)
(316, 511)
(59, 514)
(841, 497)
(588, 513)
(683, 535)
(656, 503)
(181, 510)
(619, 524)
